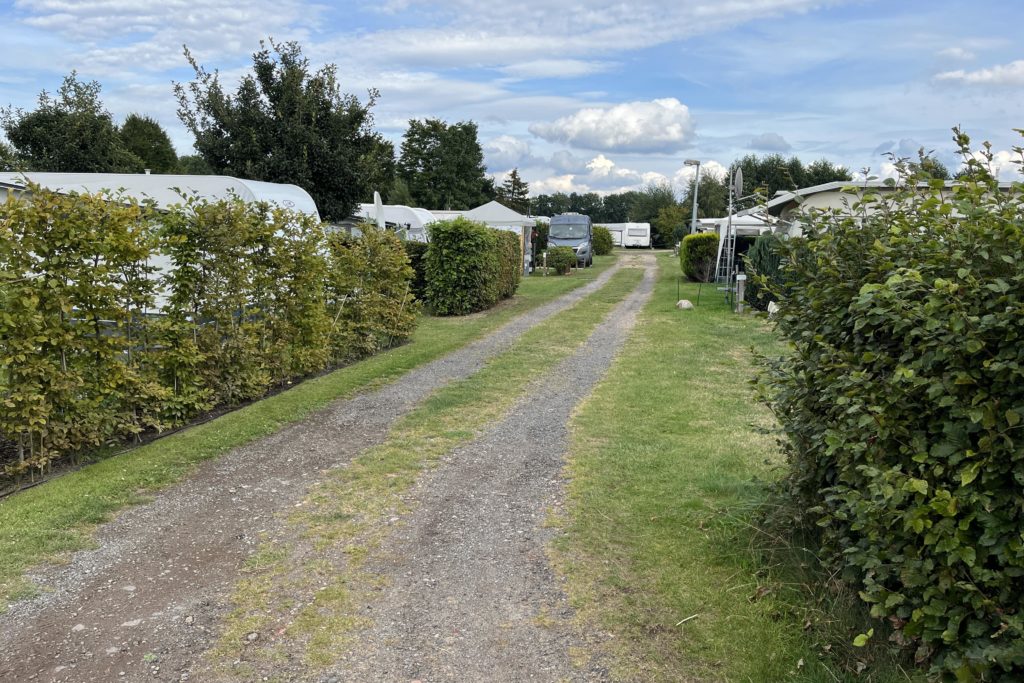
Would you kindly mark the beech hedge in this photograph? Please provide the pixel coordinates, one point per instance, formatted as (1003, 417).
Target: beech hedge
(903, 403)
(603, 242)
(97, 345)
(562, 259)
(697, 256)
(469, 267)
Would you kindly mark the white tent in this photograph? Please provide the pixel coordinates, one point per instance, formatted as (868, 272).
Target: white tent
(167, 190)
(499, 216)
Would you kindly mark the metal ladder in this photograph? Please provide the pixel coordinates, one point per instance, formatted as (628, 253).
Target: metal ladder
(726, 252)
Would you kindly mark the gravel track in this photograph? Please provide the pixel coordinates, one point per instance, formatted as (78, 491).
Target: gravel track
(145, 602)
(469, 592)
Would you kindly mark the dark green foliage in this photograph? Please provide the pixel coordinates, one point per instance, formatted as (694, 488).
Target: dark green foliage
(443, 165)
(69, 132)
(417, 253)
(288, 124)
(712, 197)
(541, 242)
(514, 193)
(697, 256)
(255, 298)
(603, 242)
(193, 164)
(146, 139)
(768, 174)
(510, 262)
(903, 403)
(671, 224)
(469, 266)
(763, 268)
(561, 259)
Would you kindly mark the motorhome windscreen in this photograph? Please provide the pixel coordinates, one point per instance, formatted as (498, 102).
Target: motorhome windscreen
(568, 231)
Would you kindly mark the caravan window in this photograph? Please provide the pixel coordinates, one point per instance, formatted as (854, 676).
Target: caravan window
(637, 232)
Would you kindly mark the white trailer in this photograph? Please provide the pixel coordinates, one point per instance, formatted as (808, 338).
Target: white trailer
(637, 235)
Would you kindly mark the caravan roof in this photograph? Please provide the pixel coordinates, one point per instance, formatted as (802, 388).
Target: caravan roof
(166, 190)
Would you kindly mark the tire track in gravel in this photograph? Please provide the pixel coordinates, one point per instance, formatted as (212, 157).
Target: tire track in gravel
(470, 595)
(145, 603)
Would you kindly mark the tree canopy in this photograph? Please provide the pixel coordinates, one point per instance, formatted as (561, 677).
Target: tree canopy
(771, 173)
(443, 165)
(514, 193)
(146, 139)
(288, 124)
(69, 132)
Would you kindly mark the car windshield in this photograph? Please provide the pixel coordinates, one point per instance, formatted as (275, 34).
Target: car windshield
(570, 231)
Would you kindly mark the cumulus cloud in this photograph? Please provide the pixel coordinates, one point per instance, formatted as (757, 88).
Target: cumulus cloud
(1001, 75)
(601, 175)
(1005, 165)
(770, 142)
(661, 125)
(710, 168)
(504, 152)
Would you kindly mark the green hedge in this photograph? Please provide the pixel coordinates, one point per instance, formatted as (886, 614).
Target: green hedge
(254, 298)
(697, 256)
(469, 267)
(417, 252)
(903, 402)
(561, 259)
(603, 242)
(764, 271)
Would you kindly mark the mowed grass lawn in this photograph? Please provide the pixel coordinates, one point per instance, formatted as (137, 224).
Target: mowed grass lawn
(46, 522)
(670, 463)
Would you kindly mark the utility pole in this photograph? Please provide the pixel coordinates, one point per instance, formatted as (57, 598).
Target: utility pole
(696, 188)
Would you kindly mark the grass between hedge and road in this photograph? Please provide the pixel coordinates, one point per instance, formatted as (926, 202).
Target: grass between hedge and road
(307, 586)
(670, 462)
(44, 523)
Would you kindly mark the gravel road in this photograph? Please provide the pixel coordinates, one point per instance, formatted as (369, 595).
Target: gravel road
(470, 595)
(145, 602)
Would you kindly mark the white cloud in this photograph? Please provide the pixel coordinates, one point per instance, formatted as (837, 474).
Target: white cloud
(957, 53)
(1003, 74)
(505, 152)
(662, 125)
(601, 175)
(1005, 165)
(770, 142)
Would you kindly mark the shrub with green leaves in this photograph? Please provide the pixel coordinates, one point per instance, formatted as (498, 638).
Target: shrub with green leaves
(253, 297)
(561, 259)
(697, 256)
(469, 267)
(763, 268)
(603, 242)
(903, 403)
(417, 252)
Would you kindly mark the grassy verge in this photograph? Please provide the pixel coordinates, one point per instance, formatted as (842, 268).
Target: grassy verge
(346, 517)
(43, 523)
(669, 466)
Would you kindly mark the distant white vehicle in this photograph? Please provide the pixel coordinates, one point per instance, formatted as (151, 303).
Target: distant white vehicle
(637, 235)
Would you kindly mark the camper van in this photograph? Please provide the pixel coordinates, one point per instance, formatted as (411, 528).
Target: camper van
(636, 235)
(576, 231)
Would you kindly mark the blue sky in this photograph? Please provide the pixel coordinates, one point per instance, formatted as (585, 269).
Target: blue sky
(580, 95)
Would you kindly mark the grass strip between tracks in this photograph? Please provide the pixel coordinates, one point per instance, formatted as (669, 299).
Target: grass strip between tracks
(670, 462)
(301, 590)
(44, 523)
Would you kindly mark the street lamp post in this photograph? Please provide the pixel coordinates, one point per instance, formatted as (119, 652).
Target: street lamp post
(696, 187)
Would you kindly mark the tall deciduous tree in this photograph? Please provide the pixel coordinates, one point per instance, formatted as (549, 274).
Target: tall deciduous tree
(70, 131)
(443, 165)
(146, 139)
(773, 172)
(289, 124)
(193, 164)
(514, 193)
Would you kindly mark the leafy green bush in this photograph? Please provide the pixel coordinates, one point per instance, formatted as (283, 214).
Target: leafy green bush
(540, 245)
(254, 297)
(463, 267)
(417, 252)
(903, 402)
(562, 259)
(510, 261)
(763, 268)
(697, 256)
(603, 242)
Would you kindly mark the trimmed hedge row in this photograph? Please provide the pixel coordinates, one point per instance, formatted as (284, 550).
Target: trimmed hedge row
(470, 267)
(903, 402)
(255, 296)
(763, 266)
(697, 256)
(562, 259)
(417, 253)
